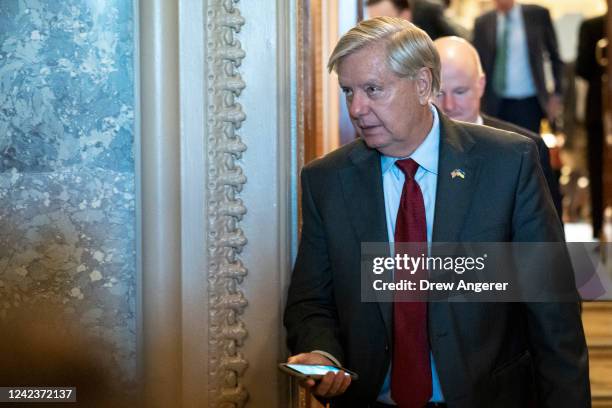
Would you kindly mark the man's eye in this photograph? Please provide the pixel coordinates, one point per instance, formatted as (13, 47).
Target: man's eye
(346, 91)
(461, 91)
(372, 90)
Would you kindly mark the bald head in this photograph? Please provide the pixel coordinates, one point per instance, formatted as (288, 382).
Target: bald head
(458, 52)
(463, 79)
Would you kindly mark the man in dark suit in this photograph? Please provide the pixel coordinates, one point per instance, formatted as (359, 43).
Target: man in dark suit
(513, 41)
(417, 354)
(591, 31)
(425, 14)
(463, 84)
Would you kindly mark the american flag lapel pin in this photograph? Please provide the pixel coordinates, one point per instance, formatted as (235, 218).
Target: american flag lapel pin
(458, 173)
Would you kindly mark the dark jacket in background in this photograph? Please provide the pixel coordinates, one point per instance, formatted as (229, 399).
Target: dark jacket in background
(429, 16)
(551, 179)
(591, 31)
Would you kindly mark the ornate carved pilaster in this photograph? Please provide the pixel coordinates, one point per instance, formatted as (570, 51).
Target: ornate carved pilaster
(225, 239)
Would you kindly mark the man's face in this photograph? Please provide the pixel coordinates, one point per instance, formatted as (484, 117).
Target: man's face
(387, 9)
(386, 110)
(461, 89)
(383, 8)
(504, 5)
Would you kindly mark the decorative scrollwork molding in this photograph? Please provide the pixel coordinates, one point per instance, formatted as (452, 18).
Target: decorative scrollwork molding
(227, 332)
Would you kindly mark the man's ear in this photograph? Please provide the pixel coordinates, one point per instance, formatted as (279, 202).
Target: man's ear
(423, 83)
(481, 83)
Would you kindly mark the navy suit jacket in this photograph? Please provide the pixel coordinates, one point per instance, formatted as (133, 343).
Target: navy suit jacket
(487, 355)
(551, 179)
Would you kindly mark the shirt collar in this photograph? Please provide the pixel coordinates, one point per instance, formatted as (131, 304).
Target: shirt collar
(426, 155)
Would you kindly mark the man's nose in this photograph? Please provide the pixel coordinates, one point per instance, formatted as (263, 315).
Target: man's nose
(448, 103)
(358, 106)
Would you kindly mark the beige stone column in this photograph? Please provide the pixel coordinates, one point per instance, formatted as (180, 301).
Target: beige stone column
(160, 283)
(219, 192)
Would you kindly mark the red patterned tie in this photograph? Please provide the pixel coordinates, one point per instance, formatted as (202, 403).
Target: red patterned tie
(411, 373)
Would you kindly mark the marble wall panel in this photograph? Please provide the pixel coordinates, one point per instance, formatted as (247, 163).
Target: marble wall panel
(67, 204)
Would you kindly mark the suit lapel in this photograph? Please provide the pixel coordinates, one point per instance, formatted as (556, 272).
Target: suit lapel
(364, 198)
(453, 198)
(365, 204)
(453, 194)
(363, 191)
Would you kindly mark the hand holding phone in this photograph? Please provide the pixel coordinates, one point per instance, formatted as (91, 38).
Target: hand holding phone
(334, 381)
(314, 371)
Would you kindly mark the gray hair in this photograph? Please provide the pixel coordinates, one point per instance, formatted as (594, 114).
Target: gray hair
(409, 48)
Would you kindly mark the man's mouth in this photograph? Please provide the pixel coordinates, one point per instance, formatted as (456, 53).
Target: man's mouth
(368, 127)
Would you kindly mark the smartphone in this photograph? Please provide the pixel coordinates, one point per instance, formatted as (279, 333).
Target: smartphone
(315, 372)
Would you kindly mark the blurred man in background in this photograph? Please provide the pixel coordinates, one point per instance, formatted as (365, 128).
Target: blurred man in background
(591, 31)
(513, 41)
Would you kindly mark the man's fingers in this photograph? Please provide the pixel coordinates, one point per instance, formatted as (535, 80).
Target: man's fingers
(302, 358)
(325, 385)
(346, 381)
(334, 389)
(309, 383)
(295, 359)
(309, 358)
(333, 384)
